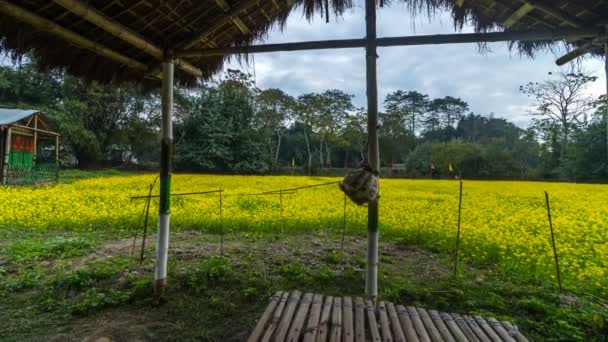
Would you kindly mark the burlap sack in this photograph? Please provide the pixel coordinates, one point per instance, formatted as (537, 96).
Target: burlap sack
(361, 184)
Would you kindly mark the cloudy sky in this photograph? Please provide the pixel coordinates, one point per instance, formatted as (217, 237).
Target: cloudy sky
(488, 82)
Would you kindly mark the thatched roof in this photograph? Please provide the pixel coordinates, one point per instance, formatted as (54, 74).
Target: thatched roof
(41, 26)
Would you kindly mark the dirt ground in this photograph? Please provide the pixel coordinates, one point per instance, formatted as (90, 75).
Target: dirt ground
(152, 323)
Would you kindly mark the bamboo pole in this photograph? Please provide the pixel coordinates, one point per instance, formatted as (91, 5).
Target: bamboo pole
(559, 278)
(145, 233)
(343, 226)
(458, 233)
(56, 148)
(456, 38)
(162, 247)
(122, 32)
(34, 152)
(371, 279)
(51, 27)
(606, 104)
(221, 227)
(7, 151)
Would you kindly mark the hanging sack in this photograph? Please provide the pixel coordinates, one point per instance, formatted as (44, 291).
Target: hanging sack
(361, 184)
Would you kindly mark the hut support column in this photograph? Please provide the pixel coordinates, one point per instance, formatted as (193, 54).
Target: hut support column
(162, 246)
(7, 151)
(371, 279)
(35, 147)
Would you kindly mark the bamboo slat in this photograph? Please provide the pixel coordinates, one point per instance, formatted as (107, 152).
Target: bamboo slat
(500, 330)
(312, 326)
(290, 308)
(441, 326)
(487, 328)
(406, 323)
(465, 328)
(514, 332)
(430, 326)
(259, 328)
(347, 320)
(373, 323)
(324, 323)
(312, 318)
(298, 322)
(336, 321)
(359, 320)
(454, 328)
(385, 326)
(481, 335)
(398, 335)
(418, 324)
(276, 318)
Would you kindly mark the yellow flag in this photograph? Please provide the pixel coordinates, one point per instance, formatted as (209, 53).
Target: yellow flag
(451, 168)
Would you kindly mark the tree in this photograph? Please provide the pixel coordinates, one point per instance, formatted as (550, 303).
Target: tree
(562, 101)
(405, 109)
(275, 112)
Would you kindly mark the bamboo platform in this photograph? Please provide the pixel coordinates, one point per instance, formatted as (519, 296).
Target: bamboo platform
(316, 318)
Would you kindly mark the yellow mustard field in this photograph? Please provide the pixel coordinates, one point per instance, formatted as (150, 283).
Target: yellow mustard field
(504, 224)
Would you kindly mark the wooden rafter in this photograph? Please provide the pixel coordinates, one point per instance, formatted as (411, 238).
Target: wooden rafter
(217, 24)
(118, 30)
(49, 26)
(555, 12)
(235, 19)
(517, 15)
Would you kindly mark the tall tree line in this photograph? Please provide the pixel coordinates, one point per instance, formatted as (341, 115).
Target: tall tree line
(232, 126)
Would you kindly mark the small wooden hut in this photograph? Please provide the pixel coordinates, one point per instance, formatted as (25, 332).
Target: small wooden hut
(29, 149)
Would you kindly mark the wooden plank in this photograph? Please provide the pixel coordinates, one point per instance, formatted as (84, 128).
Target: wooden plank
(517, 15)
(423, 334)
(298, 322)
(336, 321)
(514, 332)
(259, 328)
(359, 320)
(440, 324)
(347, 320)
(407, 324)
(500, 330)
(290, 308)
(276, 317)
(312, 326)
(453, 326)
(487, 328)
(398, 335)
(481, 335)
(385, 327)
(465, 328)
(430, 326)
(324, 323)
(371, 320)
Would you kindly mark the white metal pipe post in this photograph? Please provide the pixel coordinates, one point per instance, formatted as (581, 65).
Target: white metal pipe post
(371, 278)
(162, 244)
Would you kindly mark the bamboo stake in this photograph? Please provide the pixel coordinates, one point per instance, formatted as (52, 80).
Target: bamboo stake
(559, 278)
(221, 227)
(145, 235)
(344, 226)
(458, 233)
(281, 202)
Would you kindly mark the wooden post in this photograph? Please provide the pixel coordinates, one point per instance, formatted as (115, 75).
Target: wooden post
(458, 233)
(57, 148)
(162, 246)
(606, 104)
(35, 150)
(371, 279)
(7, 151)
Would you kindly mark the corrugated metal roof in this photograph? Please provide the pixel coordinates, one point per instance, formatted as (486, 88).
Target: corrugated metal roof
(8, 116)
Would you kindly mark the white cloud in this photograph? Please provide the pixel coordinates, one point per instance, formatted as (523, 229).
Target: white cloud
(488, 82)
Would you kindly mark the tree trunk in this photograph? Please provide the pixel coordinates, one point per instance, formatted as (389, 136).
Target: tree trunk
(321, 152)
(328, 155)
(309, 154)
(276, 157)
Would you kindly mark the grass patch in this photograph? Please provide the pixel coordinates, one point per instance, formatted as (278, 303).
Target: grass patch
(57, 247)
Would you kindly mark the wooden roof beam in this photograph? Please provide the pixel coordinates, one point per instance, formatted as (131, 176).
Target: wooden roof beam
(458, 38)
(120, 31)
(51, 27)
(517, 15)
(235, 19)
(555, 12)
(217, 24)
